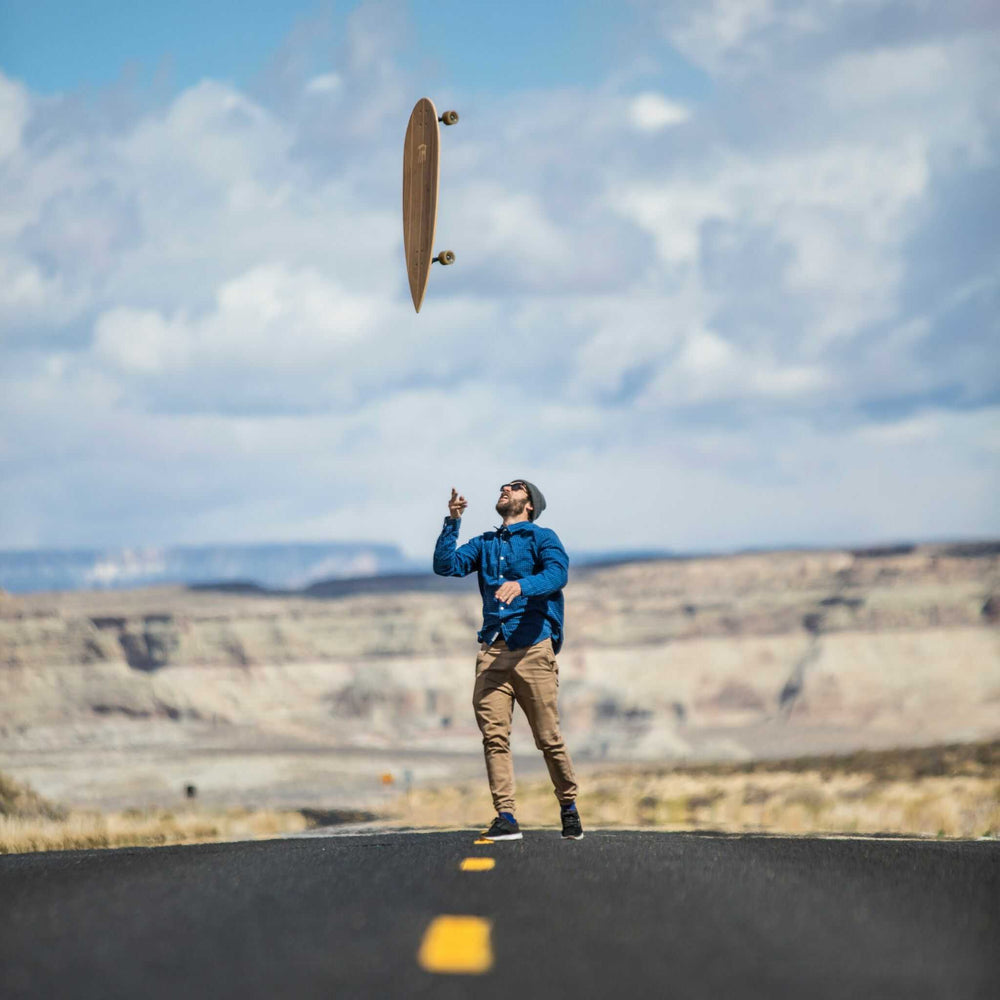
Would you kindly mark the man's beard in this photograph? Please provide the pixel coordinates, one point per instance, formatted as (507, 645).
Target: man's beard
(507, 506)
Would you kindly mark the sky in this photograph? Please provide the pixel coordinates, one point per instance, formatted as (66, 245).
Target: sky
(728, 273)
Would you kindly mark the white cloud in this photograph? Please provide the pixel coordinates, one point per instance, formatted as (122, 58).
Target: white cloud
(840, 211)
(650, 112)
(673, 212)
(21, 285)
(138, 340)
(14, 111)
(705, 353)
(872, 78)
(709, 369)
(268, 318)
(721, 33)
(325, 83)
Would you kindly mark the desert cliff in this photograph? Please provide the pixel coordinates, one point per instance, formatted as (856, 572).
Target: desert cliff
(719, 657)
(897, 640)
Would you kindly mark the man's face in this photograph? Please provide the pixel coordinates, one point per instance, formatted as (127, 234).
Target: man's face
(514, 497)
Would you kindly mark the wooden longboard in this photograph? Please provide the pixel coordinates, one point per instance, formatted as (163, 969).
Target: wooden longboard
(421, 171)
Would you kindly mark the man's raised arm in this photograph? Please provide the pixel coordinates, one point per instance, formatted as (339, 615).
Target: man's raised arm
(449, 560)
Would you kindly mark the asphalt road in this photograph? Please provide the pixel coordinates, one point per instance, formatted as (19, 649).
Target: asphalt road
(619, 914)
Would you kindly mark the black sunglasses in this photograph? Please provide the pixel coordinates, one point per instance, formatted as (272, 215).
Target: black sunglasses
(516, 485)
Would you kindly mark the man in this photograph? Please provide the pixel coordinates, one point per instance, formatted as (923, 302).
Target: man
(522, 569)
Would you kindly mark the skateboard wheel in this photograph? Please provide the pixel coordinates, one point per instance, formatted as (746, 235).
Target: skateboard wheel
(449, 117)
(445, 257)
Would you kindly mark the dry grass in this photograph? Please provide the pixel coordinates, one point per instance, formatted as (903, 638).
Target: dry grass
(29, 823)
(78, 830)
(978, 759)
(800, 803)
(18, 799)
(889, 792)
(948, 791)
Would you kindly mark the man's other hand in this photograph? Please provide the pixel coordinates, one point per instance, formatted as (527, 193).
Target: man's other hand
(457, 504)
(508, 591)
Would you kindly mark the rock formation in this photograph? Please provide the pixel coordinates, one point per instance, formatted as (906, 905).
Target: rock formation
(726, 656)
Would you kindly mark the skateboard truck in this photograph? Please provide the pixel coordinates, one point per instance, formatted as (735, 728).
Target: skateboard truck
(446, 256)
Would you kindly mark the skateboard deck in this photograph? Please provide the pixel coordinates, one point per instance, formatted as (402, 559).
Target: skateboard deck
(421, 172)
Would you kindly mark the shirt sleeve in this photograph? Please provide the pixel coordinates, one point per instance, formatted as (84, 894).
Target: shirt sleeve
(554, 571)
(452, 561)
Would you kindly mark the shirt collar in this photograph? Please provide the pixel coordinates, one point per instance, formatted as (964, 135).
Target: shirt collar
(516, 526)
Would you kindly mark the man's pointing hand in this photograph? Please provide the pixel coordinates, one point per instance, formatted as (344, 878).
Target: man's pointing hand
(457, 504)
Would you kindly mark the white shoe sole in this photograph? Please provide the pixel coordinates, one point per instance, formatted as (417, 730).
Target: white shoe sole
(504, 836)
(573, 837)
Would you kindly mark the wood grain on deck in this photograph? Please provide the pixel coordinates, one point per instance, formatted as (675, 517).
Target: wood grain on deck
(420, 195)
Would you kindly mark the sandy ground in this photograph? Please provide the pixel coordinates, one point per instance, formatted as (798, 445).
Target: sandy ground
(148, 765)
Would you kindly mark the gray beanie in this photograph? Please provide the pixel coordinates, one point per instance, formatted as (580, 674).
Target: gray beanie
(537, 498)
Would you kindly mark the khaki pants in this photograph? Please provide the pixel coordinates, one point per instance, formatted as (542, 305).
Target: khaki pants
(531, 678)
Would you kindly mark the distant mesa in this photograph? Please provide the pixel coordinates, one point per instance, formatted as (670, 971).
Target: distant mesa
(882, 551)
(334, 569)
(973, 550)
(236, 568)
(390, 583)
(231, 587)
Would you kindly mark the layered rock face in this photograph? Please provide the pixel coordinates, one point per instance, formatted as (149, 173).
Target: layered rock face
(726, 656)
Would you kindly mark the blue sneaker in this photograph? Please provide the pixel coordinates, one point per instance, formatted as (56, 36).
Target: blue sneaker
(504, 828)
(572, 827)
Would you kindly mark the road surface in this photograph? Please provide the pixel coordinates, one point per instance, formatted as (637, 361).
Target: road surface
(619, 914)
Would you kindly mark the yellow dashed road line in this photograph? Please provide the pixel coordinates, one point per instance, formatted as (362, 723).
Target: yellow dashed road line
(481, 841)
(457, 944)
(477, 864)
